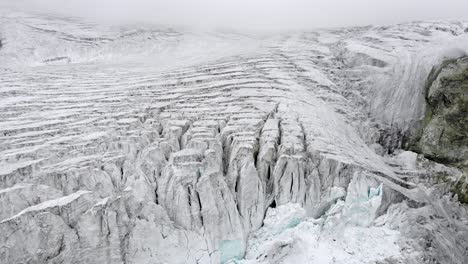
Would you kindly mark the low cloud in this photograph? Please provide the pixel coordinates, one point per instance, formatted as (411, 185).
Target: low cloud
(253, 14)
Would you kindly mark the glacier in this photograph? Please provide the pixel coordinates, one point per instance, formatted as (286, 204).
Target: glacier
(148, 144)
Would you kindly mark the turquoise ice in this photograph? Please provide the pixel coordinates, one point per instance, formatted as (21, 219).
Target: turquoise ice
(230, 249)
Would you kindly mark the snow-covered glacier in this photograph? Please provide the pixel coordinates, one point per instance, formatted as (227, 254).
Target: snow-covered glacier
(146, 144)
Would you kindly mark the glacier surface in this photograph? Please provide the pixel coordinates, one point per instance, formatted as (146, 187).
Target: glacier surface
(144, 144)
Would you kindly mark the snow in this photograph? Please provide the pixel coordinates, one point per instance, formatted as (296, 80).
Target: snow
(16, 187)
(310, 243)
(6, 169)
(344, 235)
(62, 201)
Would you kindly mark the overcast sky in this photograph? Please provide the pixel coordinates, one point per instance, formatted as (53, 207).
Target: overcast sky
(255, 14)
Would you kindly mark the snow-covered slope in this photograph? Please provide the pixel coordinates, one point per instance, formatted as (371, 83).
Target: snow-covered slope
(136, 144)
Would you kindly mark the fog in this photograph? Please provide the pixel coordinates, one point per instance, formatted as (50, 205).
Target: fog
(252, 14)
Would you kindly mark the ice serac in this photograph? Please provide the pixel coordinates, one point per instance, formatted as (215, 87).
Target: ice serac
(21, 196)
(289, 174)
(267, 156)
(44, 232)
(240, 137)
(193, 191)
(139, 144)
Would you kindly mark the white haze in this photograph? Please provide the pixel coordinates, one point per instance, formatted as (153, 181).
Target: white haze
(253, 14)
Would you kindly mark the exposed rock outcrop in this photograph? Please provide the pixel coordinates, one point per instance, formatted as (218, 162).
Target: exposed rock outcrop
(444, 133)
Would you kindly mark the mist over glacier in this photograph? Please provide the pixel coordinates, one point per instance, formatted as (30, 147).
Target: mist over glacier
(256, 15)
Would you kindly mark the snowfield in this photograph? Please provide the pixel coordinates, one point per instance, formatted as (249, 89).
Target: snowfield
(142, 144)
